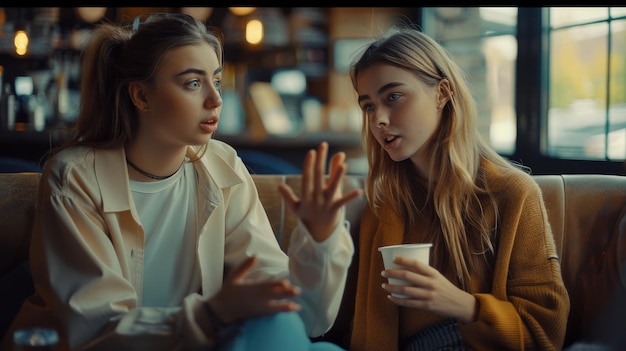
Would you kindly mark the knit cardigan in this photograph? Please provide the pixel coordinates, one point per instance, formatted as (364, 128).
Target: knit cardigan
(526, 306)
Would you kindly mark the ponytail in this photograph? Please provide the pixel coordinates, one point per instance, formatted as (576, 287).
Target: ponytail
(99, 122)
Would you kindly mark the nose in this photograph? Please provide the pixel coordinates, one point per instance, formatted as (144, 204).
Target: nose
(379, 118)
(214, 98)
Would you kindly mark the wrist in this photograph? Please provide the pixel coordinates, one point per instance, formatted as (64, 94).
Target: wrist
(216, 320)
(471, 314)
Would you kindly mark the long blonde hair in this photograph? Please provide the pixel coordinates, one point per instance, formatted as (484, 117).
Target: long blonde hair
(457, 150)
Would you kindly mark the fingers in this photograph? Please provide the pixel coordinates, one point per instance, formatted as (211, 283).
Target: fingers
(283, 306)
(337, 169)
(348, 197)
(279, 289)
(313, 172)
(289, 197)
(337, 163)
(277, 294)
(415, 286)
(243, 300)
(307, 175)
(415, 266)
(240, 272)
(320, 198)
(320, 168)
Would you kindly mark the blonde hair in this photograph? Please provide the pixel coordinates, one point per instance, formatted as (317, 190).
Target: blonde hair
(456, 148)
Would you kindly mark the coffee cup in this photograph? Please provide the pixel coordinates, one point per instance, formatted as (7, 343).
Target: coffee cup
(419, 252)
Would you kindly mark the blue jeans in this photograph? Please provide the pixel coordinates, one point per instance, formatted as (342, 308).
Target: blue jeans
(278, 332)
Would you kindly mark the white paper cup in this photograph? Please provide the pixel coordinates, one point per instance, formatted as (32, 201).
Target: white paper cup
(419, 252)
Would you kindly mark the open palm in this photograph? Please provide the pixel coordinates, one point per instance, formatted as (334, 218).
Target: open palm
(321, 201)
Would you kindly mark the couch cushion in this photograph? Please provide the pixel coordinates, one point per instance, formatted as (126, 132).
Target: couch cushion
(592, 255)
(267, 187)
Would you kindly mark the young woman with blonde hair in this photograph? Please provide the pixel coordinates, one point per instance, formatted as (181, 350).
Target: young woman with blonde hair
(494, 280)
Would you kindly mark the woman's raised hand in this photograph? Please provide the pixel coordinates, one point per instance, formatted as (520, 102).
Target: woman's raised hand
(321, 201)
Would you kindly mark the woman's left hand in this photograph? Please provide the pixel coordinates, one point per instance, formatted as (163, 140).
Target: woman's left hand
(320, 203)
(428, 289)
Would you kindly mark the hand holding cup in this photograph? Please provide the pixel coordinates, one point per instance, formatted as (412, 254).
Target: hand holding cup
(419, 252)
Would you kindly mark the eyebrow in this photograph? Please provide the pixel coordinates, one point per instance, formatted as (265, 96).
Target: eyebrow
(198, 71)
(381, 90)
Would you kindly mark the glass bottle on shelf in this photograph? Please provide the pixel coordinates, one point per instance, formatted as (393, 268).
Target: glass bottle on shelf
(41, 110)
(7, 104)
(23, 93)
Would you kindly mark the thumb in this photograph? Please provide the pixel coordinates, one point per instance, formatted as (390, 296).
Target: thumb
(240, 272)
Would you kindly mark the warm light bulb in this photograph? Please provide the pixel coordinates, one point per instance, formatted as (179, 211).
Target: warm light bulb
(91, 14)
(242, 11)
(21, 42)
(254, 32)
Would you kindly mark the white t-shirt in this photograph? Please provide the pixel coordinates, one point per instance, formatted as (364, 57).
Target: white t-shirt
(167, 210)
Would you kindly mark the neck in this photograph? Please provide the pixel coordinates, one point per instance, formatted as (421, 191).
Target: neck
(150, 175)
(150, 161)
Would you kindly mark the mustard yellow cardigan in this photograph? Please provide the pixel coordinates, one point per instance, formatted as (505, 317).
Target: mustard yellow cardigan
(524, 308)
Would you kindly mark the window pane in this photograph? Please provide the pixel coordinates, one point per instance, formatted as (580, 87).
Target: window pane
(564, 16)
(500, 50)
(618, 11)
(483, 42)
(578, 91)
(500, 54)
(498, 20)
(616, 147)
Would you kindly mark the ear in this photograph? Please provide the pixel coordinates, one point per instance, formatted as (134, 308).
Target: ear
(444, 93)
(137, 96)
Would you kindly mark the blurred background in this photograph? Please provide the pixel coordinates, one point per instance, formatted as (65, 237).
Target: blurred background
(550, 83)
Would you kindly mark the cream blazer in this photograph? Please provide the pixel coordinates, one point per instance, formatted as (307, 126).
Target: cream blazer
(87, 253)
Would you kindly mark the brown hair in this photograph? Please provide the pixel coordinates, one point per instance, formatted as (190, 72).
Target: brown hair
(117, 55)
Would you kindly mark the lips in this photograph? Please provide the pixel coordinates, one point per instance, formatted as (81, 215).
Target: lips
(390, 140)
(209, 125)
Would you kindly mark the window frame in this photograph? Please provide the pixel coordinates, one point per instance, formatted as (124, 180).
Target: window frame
(531, 105)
